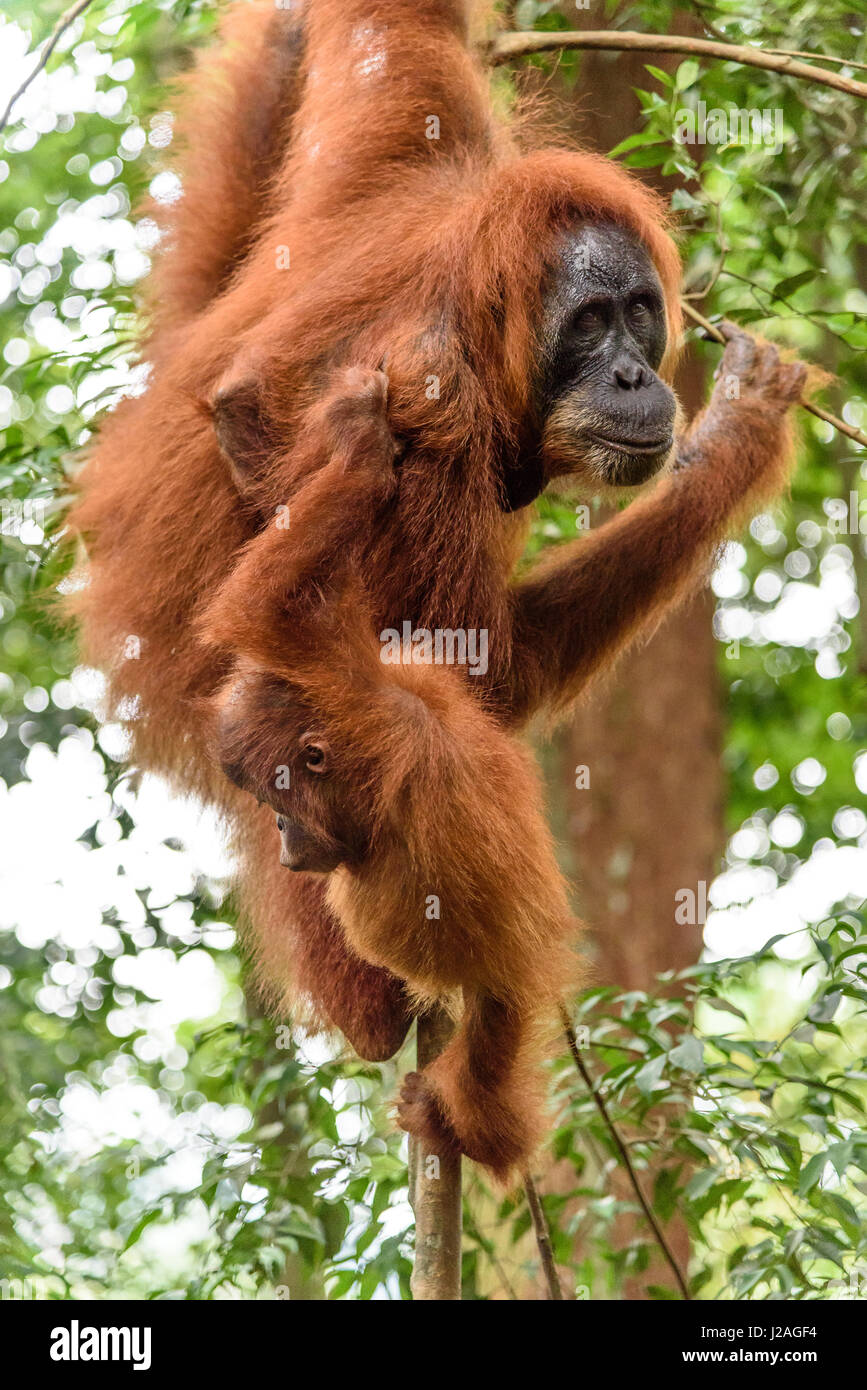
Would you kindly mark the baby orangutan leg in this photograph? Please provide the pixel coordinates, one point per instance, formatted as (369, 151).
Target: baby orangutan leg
(480, 1095)
(305, 965)
(367, 1003)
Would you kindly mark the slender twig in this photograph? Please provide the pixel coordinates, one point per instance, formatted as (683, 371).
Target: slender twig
(763, 296)
(543, 1237)
(820, 57)
(622, 1150)
(836, 423)
(66, 19)
(505, 47)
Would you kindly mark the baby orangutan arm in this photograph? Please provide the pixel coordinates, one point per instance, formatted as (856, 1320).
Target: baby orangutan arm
(256, 614)
(579, 609)
(351, 453)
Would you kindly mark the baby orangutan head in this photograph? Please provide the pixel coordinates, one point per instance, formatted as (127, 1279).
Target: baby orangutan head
(271, 744)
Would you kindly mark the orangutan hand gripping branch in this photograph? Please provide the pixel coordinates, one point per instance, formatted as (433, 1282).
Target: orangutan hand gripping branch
(351, 203)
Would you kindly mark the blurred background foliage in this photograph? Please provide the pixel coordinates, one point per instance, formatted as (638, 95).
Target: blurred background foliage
(162, 1140)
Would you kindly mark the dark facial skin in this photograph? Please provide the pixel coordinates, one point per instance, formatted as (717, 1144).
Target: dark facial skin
(607, 416)
(308, 849)
(267, 738)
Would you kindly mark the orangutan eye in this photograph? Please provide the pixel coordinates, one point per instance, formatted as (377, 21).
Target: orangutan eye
(589, 322)
(641, 310)
(316, 755)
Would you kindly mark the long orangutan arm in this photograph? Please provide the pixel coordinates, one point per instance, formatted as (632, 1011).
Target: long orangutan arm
(581, 608)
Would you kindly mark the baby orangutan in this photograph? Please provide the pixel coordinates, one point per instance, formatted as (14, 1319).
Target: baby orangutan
(425, 815)
(427, 819)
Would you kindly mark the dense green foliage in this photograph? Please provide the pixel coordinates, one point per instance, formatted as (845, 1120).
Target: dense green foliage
(155, 1151)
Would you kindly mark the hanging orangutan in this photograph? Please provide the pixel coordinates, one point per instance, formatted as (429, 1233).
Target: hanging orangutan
(355, 220)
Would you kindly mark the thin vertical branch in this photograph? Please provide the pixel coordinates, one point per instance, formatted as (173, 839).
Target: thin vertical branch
(543, 1238)
(436, 1189)
(622, 1151)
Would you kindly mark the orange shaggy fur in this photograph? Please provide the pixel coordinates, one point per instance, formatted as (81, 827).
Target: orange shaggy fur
(305, 136)
(449, 880)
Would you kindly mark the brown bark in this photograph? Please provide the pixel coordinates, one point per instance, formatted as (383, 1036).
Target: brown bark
(650, 822)
(510, 46)
(435, 1184)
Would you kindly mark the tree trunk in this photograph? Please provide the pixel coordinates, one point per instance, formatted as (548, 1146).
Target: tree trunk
(435, 1185)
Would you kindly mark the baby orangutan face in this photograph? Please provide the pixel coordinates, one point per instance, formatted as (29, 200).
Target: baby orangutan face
(270, 744)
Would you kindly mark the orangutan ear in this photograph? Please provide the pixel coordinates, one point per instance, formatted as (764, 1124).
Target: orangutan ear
(242, 429)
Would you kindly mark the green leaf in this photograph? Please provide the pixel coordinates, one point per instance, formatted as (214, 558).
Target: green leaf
(689, 1054)
(825, 951)
(648, 1075)
(646, 159)
(788, 286)
(812, 1173)
(687, 73)
(683, 201)
(701, 1182)
(142, 1223)
(723, 1005)
(641, 137)
(824, 1008)
(772, 193)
